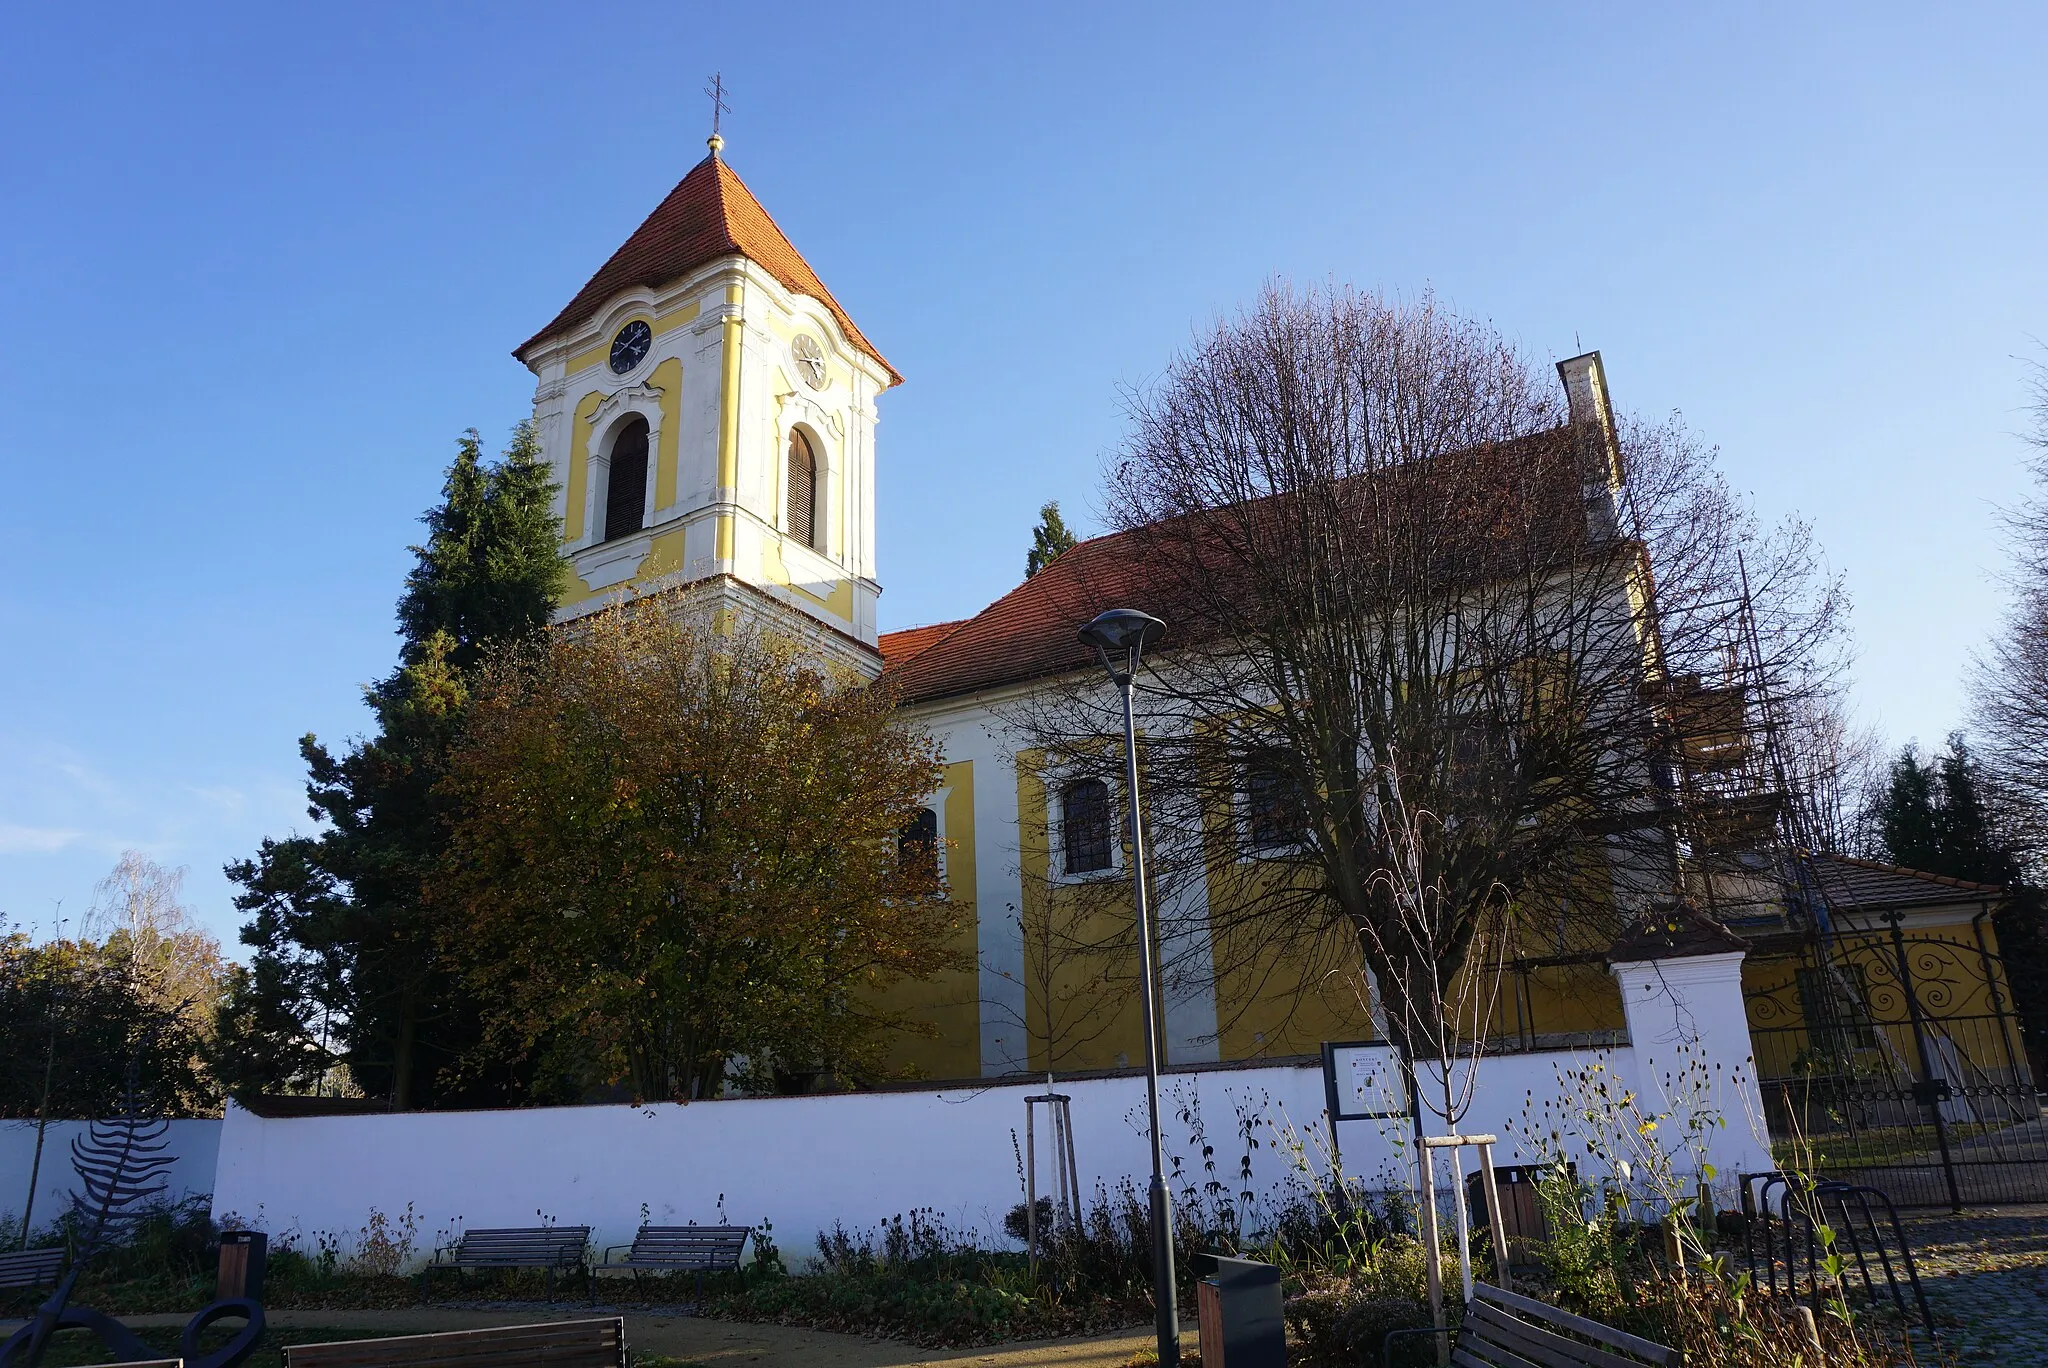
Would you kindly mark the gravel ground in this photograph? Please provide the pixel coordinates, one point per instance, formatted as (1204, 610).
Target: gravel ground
(1986, 1275)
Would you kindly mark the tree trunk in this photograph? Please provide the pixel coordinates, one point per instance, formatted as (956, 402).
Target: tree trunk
(402, 1052)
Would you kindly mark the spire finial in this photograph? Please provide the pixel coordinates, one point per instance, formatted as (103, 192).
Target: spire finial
(716, 90)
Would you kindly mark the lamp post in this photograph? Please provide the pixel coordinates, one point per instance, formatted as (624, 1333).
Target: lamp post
(1120, 637)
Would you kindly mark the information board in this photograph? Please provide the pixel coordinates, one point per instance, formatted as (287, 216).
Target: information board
(1362, 1081)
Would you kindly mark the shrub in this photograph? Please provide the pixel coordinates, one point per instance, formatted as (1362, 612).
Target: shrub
(1344, 1324)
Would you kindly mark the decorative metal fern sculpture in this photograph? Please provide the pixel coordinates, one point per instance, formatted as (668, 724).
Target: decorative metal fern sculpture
(123, 1165)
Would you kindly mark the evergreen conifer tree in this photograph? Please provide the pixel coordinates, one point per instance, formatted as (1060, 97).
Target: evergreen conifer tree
(347, 967)
(1048, 540)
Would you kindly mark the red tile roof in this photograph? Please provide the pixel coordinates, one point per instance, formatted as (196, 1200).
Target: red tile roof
(1029, 633)
(709, 214)
(898, 647)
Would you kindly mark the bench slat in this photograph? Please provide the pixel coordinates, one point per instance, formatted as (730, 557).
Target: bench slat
(1489, 1354)
(1519, 1342)
(522, 1246)
(701, 1248)
(1534, 1341)
(27, 1267)
(1462, 1356)
(1591, 1329)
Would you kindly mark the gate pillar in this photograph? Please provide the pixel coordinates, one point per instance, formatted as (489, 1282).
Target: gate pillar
(1681, 991)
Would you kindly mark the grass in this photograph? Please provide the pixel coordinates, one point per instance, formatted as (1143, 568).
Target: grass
(1874, 1147)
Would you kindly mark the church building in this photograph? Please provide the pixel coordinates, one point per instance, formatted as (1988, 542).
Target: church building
(709, 411)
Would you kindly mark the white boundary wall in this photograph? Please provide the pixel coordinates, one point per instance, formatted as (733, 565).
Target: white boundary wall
(804, 1163)
(196, 1145)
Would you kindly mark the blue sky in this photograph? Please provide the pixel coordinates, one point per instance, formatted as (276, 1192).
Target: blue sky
(263, 264)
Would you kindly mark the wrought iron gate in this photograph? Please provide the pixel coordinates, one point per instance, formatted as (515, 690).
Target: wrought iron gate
(1892, 1057)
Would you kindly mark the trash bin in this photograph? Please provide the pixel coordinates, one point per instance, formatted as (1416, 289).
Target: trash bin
(1521, 1210)
(1238, 1310)
(242, 1256)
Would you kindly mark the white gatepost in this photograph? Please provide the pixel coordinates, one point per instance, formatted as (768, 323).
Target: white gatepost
(1681, 991)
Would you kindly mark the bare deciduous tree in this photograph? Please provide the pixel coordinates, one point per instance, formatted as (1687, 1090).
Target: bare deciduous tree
(2009, 678)
(138, 910)
(1438, 638)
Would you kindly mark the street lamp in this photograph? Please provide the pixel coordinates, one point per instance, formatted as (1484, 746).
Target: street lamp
(1120, 637)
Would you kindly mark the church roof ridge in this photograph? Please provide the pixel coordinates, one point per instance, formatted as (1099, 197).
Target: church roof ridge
(709, 214)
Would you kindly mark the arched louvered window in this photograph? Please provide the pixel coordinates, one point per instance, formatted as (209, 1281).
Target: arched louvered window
(803, 491)
(625, 487)
(1085, 826)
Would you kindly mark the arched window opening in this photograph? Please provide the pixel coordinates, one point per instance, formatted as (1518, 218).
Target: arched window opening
(1085, 826)
(803, 491)
(625, 488)
(917, 849)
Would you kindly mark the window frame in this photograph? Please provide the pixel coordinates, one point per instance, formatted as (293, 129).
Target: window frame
(1246, 817)
(938, 845)
(603, 509)
(935, 803)
(1057, 783)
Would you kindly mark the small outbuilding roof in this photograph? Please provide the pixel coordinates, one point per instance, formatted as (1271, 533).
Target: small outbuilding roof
(1853, 885)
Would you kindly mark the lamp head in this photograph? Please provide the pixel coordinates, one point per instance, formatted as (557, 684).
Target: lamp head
(1124, 632)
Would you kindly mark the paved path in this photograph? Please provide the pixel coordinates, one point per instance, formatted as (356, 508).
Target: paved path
(724, 1344)
(1986, 1275)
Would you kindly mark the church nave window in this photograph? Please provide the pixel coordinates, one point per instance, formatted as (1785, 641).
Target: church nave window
(625, 486)
(1085, 830)
(803, 491)
(917, 848)
(1275, 817)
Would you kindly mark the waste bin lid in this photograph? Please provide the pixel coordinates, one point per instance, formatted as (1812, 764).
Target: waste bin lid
(1244, 1272)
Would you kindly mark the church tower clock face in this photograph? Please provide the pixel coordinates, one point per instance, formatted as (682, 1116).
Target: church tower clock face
(810, 362)
(630, 346)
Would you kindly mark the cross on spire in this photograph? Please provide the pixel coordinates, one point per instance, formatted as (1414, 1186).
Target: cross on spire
(716, 90)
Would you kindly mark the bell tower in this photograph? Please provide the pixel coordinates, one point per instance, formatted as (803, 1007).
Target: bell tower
(709, 412)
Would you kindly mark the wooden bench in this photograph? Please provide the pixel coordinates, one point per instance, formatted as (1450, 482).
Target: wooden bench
(599, 1343)
(683, 1249)
(1505, 1329)
(548, 1247)
(31, 1267)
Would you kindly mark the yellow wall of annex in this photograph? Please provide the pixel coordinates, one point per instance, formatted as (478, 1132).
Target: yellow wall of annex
(1080, 960)
(1275, 994)
(950, 1000)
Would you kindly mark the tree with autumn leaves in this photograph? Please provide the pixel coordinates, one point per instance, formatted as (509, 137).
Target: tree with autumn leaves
(677, 858)
(630, 856)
